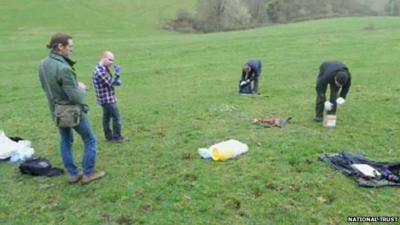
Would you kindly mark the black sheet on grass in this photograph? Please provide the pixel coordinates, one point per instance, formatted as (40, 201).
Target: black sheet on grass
(389, 172)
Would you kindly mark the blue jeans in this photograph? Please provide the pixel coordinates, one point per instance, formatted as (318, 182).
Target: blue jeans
(89, 154)
(110, 111)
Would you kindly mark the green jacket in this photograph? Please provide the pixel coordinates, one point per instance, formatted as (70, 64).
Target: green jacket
(58, 78)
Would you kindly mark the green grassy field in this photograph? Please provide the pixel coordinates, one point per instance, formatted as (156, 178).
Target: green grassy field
(180, 94)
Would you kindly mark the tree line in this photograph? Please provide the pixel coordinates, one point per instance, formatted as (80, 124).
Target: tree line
(224, 15)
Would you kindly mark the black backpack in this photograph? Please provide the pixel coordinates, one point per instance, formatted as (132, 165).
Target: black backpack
(39, 167)
(245, 89)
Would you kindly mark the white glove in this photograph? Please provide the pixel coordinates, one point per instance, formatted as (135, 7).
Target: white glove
(340, 101)
(328, 106)
(243, 83)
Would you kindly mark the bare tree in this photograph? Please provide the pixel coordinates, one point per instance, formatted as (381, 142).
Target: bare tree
(257, 10)
(393, 8)
(210, 12)
(236, 15)
(218, 15)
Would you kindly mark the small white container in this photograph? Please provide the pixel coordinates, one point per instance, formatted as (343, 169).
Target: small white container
(330, 121)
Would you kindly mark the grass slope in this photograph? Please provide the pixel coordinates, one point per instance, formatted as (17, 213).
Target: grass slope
(179, 94)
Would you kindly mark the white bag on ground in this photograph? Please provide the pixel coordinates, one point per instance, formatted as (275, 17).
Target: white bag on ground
(6, 146)
(224, 150)
(22, 153)
(18, 151)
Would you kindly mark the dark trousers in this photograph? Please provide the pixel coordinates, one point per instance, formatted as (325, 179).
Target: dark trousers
(110, 112)
(255, 85)
(321, 98)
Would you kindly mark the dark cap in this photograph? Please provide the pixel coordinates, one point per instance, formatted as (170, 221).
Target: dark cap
(342, 77)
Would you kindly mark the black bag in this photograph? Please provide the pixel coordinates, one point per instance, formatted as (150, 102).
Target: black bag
(39, 167)
(245, 88)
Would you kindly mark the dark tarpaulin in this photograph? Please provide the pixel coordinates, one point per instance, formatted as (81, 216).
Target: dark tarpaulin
(389, 172)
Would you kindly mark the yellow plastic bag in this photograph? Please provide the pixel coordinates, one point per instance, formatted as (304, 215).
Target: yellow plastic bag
(224, 150)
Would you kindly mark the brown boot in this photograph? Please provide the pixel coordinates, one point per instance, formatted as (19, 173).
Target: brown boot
(94, 176)
(75, 179)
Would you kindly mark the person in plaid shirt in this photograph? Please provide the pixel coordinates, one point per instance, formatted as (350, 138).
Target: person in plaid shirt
(104, 83)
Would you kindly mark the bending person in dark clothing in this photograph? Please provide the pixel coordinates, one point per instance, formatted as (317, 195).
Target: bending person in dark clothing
(251, 73)
(337, 75)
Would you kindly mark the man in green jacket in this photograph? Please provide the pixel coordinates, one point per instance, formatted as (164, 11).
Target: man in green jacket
(58, 79)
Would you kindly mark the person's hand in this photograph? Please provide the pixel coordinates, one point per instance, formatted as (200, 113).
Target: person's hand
(85, 108)
(117, 70)
(340, 101)
(328, 106)
(82, 86)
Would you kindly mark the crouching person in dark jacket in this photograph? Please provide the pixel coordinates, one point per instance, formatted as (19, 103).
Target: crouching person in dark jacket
(337, 76)
(251, 73)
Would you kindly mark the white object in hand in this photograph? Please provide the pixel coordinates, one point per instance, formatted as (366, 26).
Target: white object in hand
(243, 83)
(328, 106)
(340, 101)
(81, 85)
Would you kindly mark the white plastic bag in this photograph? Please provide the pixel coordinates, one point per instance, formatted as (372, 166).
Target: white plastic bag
(18, 151)
(22, 153)
(6, 146)
(224, 150)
